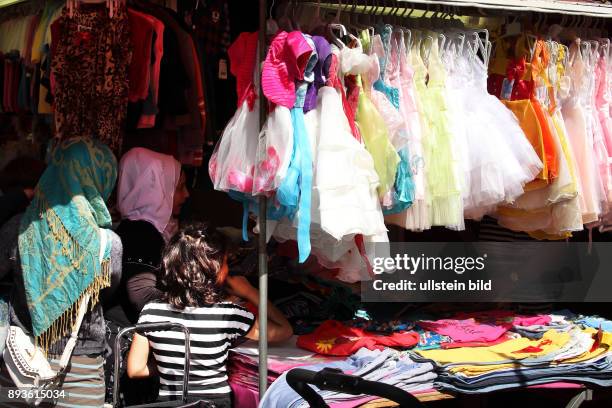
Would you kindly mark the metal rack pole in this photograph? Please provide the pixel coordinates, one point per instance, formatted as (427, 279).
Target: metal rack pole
(263, 255)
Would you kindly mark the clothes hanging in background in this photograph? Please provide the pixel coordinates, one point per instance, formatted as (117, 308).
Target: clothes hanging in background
(91, 55)
(139, 70)
(534, 155)
(210, 21)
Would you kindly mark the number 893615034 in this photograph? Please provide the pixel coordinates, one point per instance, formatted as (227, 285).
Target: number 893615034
(15, 393)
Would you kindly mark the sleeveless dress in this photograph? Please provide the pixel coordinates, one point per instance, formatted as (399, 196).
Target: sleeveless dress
(442, 170)
(413, 78)
(371, 124)
(345, 202)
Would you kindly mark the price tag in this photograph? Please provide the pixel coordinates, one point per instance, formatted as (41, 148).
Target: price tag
(507, 86)
(222, 69)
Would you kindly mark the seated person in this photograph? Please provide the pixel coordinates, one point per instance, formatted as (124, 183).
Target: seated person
(196, 291)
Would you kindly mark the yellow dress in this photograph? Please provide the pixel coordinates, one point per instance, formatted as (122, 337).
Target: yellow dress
(442, 171)
(376, 136)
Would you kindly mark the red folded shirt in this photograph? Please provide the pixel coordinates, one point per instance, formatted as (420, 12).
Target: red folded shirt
(335, 339)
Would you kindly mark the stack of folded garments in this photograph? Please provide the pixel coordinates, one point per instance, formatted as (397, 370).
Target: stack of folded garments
(576, 355)
(243, 367)
(386, 366)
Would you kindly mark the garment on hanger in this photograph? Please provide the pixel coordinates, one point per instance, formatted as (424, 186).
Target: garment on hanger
(91, 58)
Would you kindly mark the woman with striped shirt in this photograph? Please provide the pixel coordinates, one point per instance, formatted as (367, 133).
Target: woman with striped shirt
(196, 292)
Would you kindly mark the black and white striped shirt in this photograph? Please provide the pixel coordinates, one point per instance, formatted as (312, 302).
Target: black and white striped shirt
(212, 329)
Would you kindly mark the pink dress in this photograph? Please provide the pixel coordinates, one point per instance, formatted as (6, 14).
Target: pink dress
(581, 140)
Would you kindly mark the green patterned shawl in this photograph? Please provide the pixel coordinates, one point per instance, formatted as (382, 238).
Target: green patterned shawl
(59, 238)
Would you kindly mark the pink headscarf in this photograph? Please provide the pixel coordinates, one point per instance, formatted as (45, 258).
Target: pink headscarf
(147, 181)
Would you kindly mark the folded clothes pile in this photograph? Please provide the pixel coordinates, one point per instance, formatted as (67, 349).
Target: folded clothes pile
(386, 365)
(243, 364)
(577, 355)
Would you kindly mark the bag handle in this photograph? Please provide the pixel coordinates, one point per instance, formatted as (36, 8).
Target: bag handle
(71, 344)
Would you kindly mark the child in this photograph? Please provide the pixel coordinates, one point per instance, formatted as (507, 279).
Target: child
(195, 286)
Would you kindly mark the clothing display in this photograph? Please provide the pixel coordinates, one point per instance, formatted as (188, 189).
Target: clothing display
(415, 106)
(357, 127)
(387, 366)
(469, 352)
(91, 56)
(577, 355)
(335, 339)
(107, 77)
(555, 90)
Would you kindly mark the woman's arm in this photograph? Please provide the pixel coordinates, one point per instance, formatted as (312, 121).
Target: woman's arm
(279, 328)
(138, 358)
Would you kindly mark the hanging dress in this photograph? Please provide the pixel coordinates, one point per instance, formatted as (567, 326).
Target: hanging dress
(91, 59)
(344, 191)
(387, 99)
(371, 124)
(232, 164)
(442, 167)
(582, 145)
(413, 78)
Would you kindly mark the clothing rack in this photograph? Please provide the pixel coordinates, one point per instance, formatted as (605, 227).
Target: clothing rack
(539, 6)
(574, 8)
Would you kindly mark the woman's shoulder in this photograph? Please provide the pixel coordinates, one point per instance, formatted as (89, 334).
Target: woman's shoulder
(137, 228)
(219, 308)
(142, 243)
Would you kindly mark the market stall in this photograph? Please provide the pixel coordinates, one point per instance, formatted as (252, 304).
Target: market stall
(344, 127)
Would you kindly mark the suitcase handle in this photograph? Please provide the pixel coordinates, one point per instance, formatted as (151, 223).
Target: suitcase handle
(332, 379)
(141, 328)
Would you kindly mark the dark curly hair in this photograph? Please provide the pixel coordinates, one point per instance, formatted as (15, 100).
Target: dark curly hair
(191, 271)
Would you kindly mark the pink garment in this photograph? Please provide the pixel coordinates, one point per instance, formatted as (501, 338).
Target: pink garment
(602, 101)
(391, 116)
(148, 121)
(147, 181)
(557, 385)
(242, 57)
(575, 118)
(505, 318)
(413, 119)
(601, 150)
(285, 64)
(504, 338)
(244, 397)
(468, 330)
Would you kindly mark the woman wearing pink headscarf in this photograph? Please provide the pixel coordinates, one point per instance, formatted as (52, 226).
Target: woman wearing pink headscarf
(151, 191)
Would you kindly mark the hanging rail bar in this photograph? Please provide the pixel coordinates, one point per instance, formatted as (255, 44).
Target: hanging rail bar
(261, 243)
(537, 6)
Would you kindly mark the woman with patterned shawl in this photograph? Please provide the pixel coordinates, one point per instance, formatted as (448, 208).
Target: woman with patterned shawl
(60, 261)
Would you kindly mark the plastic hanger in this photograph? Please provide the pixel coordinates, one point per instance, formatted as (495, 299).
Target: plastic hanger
(427, 43)
(332, 35)
(408, 37)
(111, 5)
